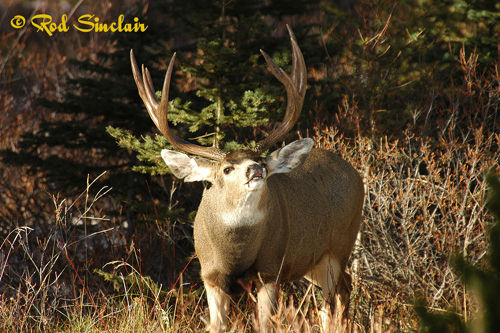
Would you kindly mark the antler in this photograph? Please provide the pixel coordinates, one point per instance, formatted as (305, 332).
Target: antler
(295, 92)
(158, 112)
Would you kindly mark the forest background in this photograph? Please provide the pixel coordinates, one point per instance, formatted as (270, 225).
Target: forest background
(97, 235)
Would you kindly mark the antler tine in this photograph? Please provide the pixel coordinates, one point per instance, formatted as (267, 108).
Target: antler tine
(142, 91)
(299, 71)
(295, 91)
(148, 86)
(158, 111)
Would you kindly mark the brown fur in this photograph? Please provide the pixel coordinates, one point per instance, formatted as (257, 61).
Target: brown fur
(311, 211)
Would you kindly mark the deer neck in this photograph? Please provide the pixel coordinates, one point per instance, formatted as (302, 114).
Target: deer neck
(249, 210)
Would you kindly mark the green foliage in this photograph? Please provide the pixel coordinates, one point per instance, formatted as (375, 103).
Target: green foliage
(148, 150)
(480, 26)
(219, 95)
(223, 60)
(484, 282)
(406, 58)
(431, 322)
(133, 284)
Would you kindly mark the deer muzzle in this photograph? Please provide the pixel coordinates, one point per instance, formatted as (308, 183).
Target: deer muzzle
(256, 172)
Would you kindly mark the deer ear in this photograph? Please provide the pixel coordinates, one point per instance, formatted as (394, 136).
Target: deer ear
(191, 169)
(289, 157)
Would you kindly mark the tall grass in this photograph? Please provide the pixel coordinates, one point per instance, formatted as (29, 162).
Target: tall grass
(69, 269)
(425, 201)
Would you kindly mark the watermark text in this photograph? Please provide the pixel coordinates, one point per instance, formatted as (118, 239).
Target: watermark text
(85, 23)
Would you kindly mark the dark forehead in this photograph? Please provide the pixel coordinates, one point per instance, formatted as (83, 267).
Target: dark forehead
(239, 155)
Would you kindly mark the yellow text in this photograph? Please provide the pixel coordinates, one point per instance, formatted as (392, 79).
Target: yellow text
(88, 22)
(43, 22)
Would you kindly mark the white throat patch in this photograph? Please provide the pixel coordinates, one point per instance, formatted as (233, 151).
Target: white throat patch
(246, 211)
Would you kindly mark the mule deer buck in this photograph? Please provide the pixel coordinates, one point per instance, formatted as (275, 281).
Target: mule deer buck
(295, 213)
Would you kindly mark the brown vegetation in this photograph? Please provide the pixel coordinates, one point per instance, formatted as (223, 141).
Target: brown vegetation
(425, 201)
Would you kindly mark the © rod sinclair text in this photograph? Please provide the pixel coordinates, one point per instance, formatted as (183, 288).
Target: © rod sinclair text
(84, 23)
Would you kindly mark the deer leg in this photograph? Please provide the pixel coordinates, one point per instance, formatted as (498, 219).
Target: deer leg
(218, 304)
(343, 299)
(326, 274)
(266, 305)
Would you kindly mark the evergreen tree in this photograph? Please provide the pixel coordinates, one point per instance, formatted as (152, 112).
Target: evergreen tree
(225, 93)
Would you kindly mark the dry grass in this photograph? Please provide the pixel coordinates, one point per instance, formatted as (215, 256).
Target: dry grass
(425, 201)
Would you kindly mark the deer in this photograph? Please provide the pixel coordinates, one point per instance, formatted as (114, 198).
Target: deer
(294, 213)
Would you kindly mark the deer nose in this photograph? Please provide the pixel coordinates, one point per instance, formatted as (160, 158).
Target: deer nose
(255, 170)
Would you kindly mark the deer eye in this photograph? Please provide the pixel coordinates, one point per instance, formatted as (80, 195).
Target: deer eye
(228, 170)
